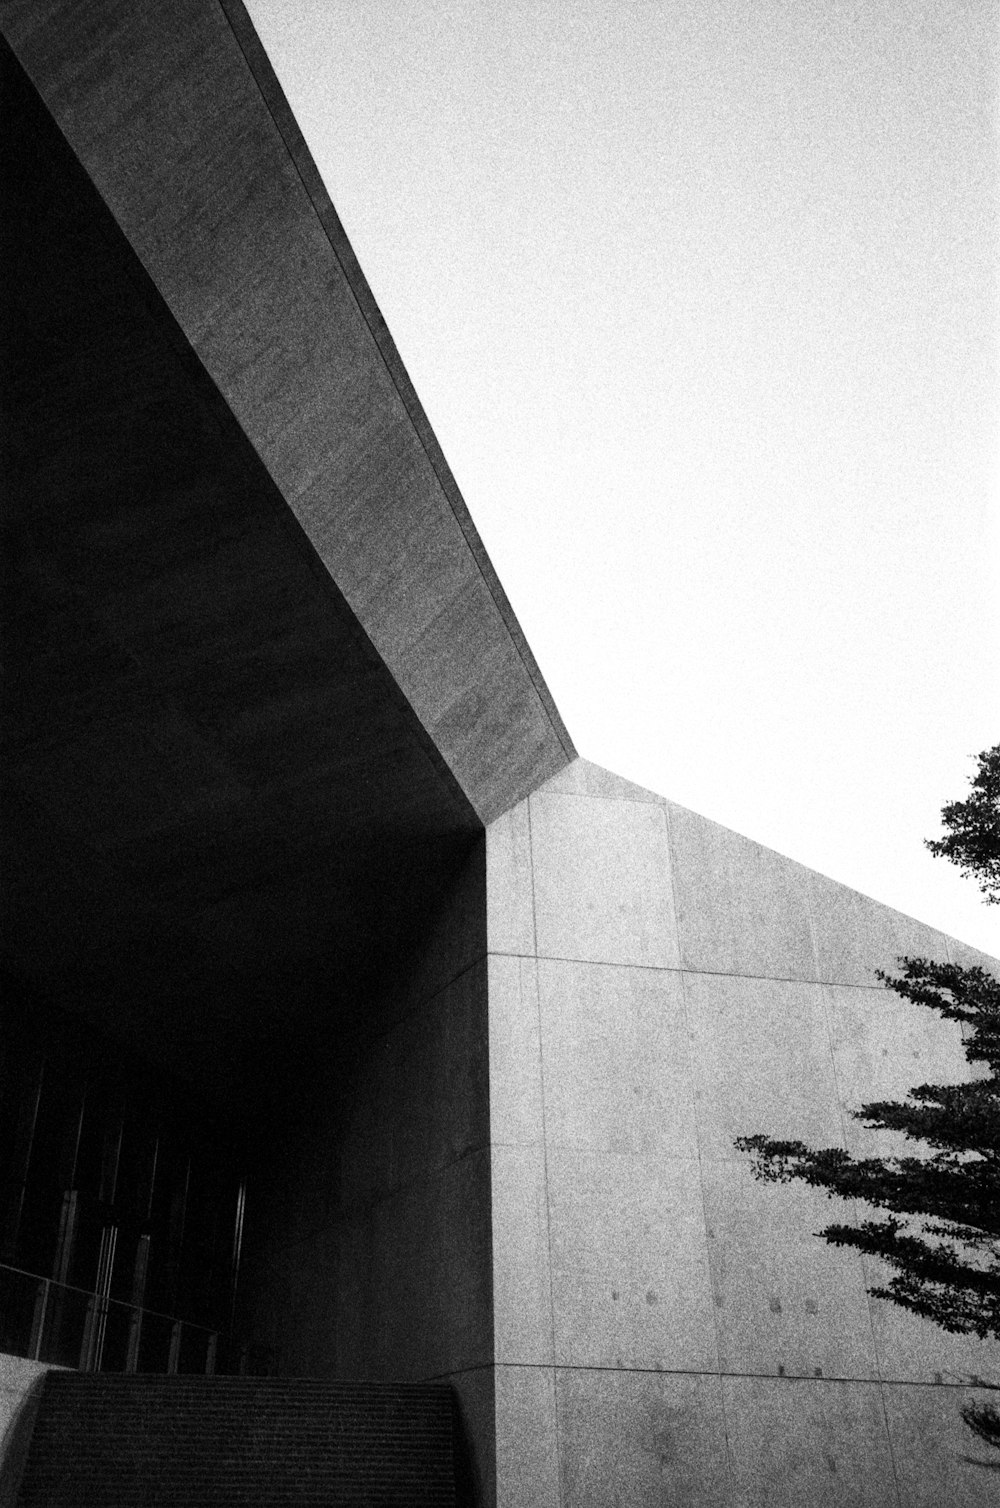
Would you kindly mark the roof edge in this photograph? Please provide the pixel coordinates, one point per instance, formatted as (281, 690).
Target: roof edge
(273, 95)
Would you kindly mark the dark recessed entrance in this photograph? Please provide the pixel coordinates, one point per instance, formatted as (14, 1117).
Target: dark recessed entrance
(122, 1206)
(224, 828)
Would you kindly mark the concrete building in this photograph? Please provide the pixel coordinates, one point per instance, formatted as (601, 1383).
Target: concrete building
(313, 911)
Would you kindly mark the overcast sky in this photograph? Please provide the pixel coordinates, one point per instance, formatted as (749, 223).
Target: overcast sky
(700, 297)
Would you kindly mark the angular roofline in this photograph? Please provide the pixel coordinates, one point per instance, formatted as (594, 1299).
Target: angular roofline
(180, 123)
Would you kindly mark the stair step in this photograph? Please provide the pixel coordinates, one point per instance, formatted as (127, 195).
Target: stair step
(232, 1442)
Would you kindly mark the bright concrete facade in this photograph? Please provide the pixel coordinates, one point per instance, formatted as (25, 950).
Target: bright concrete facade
(667, 1329)
(296, 818)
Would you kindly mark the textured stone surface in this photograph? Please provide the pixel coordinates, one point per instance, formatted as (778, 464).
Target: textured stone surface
(582, 778)
(819, 1443)
(642, 1439)
(741, 909)
(516, 1108)
(510, 916)
(850, 931)
(911, 1350)
(527, 1451)
(616, 1060)
(761, 1061)
(784, 1300)
(882, 1047)
(709, 1347)
(602, 881)
(630, 1281)
(522, 1278)
(938, 1460)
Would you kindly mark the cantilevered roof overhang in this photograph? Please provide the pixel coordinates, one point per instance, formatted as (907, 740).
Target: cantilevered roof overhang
(265, 686)
(175, 114)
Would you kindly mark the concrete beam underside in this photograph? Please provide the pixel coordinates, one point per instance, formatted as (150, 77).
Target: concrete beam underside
(176, 117)
(217, 801)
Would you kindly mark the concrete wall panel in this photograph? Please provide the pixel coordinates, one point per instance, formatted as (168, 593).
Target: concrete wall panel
(400, 1288)
(602, 881)
(516, 1114)
(475, 1397)
(882, 1047)
(855, 935)
(510, 912)
(641, 1440)
(938, 1461)
(463, 1281)
(582, 778)
(741, 909)
(416, 1097)
(522, 1281)
(797, 1442)
(910, 1349)
(369, 1228)
(452, 939)
(527, 1447)
(366, 1170)
(421, 1307)
(617, 1060)
(784, 1301)
(688, 1300)
(751, 1040)
(630, 1279)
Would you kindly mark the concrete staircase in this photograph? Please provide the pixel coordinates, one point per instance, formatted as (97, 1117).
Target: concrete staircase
(134, 1442)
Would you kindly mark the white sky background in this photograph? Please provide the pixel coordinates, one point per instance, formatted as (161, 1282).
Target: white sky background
(700, 297)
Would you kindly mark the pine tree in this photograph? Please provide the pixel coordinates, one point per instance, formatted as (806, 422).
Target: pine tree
(972, 840)
(940, 1234)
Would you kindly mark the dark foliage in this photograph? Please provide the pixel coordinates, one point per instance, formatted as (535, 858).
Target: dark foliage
(942, 1234)
(973, 839)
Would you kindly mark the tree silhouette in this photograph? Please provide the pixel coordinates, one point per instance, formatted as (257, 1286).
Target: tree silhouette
(941, 1231)
(972, 840)
(942, 1236)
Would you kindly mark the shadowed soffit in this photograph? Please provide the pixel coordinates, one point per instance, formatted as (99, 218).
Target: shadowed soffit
(221, 811)
(178, 120)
